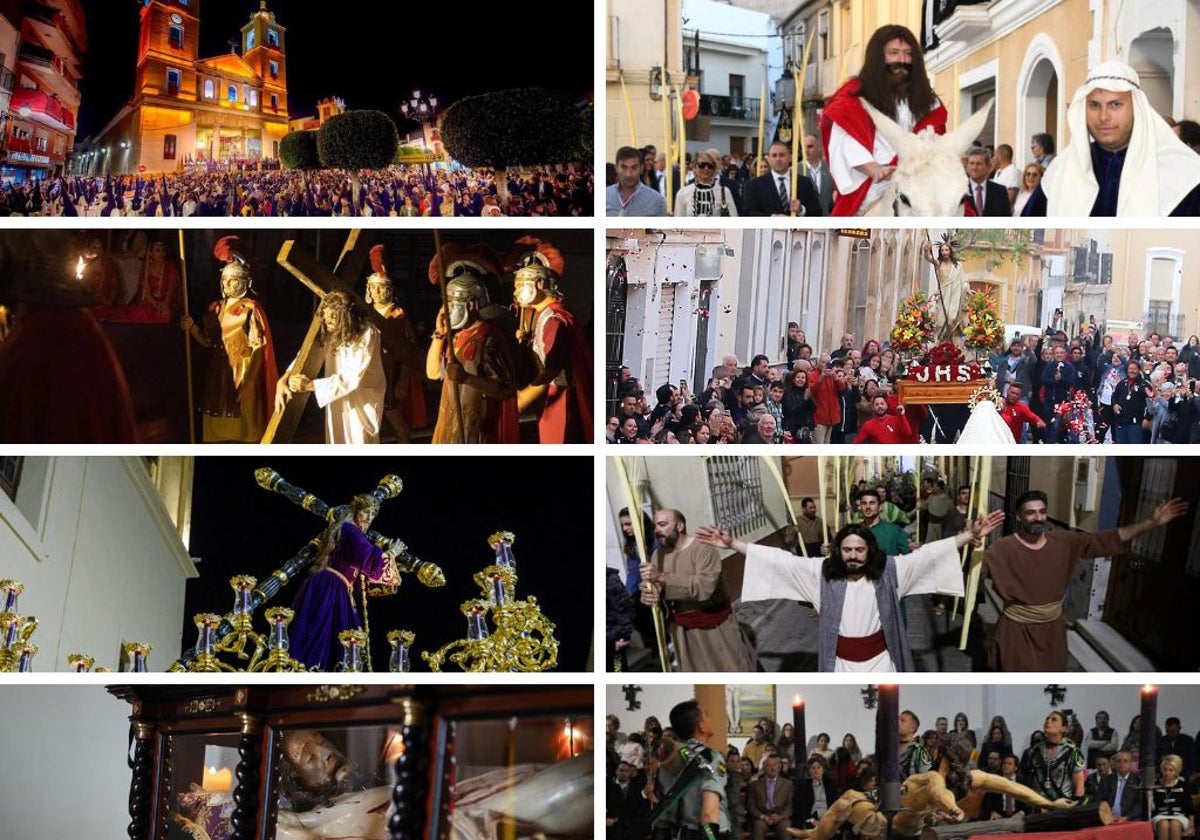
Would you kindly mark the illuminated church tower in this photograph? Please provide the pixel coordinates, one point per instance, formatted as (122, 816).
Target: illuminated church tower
(264, 49)
(190, 111)
(168, 46)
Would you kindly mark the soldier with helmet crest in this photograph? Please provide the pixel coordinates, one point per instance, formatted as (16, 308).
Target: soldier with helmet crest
(549, 333)
(478, 403)
(404, 401)
(240, 370)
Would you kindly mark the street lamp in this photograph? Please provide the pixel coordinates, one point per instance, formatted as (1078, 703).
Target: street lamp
(419, 107)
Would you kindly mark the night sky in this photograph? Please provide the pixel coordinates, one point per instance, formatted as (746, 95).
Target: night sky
(370, 61)
(448, 508)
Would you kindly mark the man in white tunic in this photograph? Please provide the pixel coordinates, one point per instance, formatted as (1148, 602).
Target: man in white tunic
(856, 590)
(352, 390)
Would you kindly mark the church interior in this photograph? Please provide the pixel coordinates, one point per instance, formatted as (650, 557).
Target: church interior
(896, 750)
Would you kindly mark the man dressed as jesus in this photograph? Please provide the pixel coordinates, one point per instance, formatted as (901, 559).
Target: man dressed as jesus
(856, 590)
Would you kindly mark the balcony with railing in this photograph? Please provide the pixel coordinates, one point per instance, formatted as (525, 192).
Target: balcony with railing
(1165, 322)
(735, 108)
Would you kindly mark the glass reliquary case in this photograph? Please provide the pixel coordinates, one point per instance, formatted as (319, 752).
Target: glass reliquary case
(360, 762)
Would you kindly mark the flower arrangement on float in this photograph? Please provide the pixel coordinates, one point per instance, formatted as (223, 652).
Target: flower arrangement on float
(914, 324)
(984, 331)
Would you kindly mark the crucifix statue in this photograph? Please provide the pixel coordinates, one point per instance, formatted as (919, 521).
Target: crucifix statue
(386, 580)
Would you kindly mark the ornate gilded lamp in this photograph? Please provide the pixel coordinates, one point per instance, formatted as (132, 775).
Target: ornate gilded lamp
(277, 658)
(206, 659)
(523, 638)
(241, 617)
(80, 663)
(15, 630)
(137, 654)
(401, 642)
(354, 643)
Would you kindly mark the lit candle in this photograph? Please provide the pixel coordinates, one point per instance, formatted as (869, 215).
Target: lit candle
(79, 269)
(887, 747)
(217, 779)
(800, 736)
(1148, 736)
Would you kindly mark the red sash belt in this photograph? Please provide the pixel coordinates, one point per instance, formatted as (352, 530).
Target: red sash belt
(861, 648)
(703, 619)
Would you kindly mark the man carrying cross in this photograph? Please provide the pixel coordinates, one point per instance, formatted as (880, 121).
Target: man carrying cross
(352, 390)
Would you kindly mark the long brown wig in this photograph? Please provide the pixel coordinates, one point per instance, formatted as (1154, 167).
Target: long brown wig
(876, 79)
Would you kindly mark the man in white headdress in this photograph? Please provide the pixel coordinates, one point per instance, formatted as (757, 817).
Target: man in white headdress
(1123, 158)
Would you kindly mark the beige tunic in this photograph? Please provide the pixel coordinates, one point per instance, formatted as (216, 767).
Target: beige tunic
(694, 582)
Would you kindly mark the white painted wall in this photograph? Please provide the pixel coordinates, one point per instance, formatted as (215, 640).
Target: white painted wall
(70, 745)
(838, 709)
(100, 558)
(682, 483)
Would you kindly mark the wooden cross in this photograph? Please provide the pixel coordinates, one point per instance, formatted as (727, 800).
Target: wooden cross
(305, 268)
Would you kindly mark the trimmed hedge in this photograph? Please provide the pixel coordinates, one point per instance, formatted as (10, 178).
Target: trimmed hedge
(358, 140)
(519, 127)
(298, 150)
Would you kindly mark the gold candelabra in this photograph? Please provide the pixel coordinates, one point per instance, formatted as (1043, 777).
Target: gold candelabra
(354, 642)
(401, 642)
(16, 651)
(523, 638)
(136, 655)
(277, 658)
(241, 617)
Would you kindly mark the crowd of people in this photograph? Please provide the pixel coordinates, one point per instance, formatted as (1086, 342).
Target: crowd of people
(273, 192)
(670, 600)
(773, 783)
(850, 166)
(1053, 388)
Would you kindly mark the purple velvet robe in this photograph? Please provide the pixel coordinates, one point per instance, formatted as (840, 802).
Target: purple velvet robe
(325, 603)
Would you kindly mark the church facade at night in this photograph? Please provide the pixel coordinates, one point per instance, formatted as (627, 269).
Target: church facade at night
(187, 109)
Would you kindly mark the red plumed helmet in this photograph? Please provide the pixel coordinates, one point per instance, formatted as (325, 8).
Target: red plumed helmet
(377, 265)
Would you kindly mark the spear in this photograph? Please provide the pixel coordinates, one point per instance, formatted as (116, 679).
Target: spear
(639, 538)
(187, 344)
(455, 396)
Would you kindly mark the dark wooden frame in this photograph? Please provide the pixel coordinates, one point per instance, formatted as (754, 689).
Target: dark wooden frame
(259, 714)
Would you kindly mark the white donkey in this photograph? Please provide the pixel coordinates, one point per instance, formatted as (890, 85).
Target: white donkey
(929, 179)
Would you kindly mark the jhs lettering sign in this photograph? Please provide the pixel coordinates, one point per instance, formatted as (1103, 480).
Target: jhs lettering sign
(942, 373)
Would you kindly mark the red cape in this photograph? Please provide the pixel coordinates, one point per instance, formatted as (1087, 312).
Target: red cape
(270, 371)
(504, 424)
(845, 109)
(413, 407)
(567, 414)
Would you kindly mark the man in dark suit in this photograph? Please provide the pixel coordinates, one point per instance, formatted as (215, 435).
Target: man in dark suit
(770, 803)
(984, 196)
(1001, 805)
(770, 194)
(1175, 743)
(818, 172)
(1121, 790)
(626, 809)
(810, 791)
